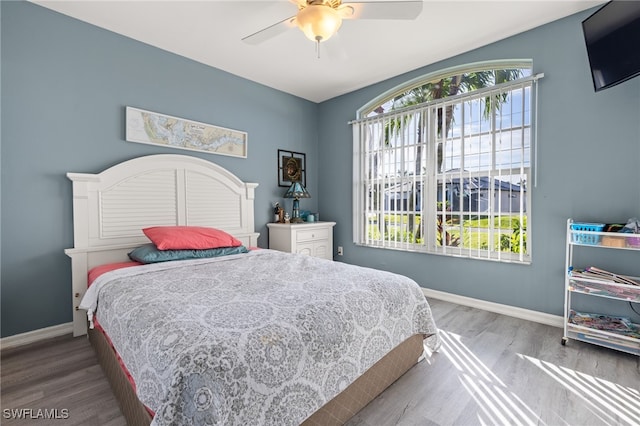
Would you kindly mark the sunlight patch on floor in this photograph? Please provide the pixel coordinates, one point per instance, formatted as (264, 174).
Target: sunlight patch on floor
(613, 403)
(498, 404)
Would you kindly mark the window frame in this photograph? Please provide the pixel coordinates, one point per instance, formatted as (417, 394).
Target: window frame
(430, 245)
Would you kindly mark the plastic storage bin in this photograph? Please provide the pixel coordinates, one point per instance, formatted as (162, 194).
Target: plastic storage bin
(583, 238)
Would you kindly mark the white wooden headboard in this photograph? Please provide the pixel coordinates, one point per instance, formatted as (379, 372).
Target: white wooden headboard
(111, 208)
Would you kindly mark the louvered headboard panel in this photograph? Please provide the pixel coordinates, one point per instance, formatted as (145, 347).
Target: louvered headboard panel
(212, 203)
(111, 208)
(147, 199)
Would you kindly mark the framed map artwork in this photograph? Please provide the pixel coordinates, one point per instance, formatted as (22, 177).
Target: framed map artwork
(291, 168)
(159, 129)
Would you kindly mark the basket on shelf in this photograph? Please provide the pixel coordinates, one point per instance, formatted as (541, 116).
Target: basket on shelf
(633, 242)
(584, 238)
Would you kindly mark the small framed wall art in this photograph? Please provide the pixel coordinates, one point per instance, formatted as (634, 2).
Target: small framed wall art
(291, 168)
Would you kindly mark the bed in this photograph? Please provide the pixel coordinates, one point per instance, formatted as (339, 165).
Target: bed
(261, 337)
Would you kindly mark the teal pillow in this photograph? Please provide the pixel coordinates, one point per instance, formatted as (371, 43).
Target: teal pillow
(149, 253)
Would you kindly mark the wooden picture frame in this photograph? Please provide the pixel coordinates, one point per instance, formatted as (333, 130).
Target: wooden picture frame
(291, 168)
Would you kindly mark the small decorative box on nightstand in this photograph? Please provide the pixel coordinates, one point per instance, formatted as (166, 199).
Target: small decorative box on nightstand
(312, 238)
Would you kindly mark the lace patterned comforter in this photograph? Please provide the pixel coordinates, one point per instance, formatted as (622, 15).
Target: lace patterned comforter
(259, 338)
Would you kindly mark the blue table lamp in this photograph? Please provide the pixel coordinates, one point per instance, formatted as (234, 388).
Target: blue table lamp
(296, 191)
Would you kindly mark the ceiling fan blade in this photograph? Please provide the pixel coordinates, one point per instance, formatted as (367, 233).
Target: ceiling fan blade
(385, 10)
(271, 31)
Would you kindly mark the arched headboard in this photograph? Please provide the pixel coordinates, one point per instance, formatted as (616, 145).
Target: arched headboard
(111, 208)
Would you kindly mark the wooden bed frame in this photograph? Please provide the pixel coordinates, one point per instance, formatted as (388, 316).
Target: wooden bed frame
(111, 208)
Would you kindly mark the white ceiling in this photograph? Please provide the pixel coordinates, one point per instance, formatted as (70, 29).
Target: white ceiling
(363, 52)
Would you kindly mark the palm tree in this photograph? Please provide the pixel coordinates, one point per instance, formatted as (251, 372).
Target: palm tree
(445, 87)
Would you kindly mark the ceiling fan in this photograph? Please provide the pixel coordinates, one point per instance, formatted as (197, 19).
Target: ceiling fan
(321, 19)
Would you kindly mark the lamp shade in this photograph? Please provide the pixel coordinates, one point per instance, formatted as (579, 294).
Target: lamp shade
(297, 190)
(318, 22)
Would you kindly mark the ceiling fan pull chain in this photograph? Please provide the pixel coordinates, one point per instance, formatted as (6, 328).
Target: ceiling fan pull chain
(318, 47)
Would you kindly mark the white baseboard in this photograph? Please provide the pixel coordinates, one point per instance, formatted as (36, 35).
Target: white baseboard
(36, 335)
(512, 311)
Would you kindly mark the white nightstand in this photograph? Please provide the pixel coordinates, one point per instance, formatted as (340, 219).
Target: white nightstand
(313, 239)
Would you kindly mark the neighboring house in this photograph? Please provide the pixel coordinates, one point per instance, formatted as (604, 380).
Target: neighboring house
(474, 195)
(398, 198)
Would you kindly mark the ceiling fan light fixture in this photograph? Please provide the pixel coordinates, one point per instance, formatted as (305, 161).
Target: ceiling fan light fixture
(318, 22)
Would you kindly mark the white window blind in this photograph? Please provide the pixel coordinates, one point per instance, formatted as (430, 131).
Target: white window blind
(450, 176)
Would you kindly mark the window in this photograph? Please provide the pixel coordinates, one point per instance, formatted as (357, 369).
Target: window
(443, 165)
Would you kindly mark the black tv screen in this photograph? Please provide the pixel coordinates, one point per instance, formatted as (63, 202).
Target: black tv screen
(612, 36)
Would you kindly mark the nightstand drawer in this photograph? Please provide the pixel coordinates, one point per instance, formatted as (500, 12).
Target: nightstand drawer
(313, 239)
(312, 234)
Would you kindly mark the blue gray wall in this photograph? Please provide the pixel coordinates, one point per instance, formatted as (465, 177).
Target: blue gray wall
(588, 169)
(65, 85)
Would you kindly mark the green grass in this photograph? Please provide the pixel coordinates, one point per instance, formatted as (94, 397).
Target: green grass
(503, 222)
(473, 236)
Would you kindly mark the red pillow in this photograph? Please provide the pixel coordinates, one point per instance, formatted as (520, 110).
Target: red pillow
(189, 238)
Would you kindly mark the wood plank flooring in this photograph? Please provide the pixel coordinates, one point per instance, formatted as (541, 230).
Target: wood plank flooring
(61, 373)
(497, 370)
(492, 369)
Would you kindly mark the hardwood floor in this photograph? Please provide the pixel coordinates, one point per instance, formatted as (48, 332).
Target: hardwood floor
(491, 369)
(61, 373)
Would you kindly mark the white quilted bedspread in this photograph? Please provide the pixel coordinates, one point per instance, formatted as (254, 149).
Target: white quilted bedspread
(263, 338)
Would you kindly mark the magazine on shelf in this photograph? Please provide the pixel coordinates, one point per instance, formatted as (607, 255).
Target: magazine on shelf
(613, 324)
(594, 273)
(606, 289)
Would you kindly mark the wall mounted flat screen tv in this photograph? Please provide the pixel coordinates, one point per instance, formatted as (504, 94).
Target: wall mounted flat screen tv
(612, 36)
